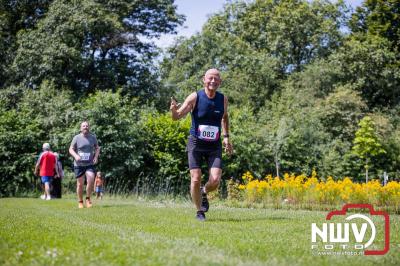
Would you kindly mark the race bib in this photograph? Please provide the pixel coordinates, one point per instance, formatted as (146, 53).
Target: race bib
(85, 156)
(208, 133)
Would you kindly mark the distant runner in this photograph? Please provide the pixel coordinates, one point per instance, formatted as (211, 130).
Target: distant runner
(99, 185)
(46, 168)
(209, 111)
(85, 150)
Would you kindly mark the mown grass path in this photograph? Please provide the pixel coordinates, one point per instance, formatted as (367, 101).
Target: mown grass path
(135, 232)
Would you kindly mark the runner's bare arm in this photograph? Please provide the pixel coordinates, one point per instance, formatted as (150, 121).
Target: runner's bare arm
(225, 129)
(74, 154)
(225, 118)
(180, 111)
(96, 154)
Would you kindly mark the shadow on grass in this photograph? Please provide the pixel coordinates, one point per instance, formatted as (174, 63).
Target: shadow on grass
(246, 219)
(114, 205)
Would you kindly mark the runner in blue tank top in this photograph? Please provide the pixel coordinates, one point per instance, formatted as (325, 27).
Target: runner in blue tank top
(209, 111)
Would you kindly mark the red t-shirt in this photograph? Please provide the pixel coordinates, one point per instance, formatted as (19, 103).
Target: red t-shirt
(47, 162)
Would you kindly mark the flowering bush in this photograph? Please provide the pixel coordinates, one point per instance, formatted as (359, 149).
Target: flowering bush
(309, 191)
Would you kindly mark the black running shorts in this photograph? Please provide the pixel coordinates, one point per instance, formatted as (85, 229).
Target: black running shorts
(81, 170)
(199, 150)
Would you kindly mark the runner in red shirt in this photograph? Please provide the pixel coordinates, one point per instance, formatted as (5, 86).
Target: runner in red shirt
(45, 166)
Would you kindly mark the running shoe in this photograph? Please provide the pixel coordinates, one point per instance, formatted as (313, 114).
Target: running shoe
(200, 216)
(204, 202)
(88, 203)
(80, 205)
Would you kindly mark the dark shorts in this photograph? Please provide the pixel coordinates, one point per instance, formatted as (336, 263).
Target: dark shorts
(81, 170)
(46, 179)
(199, 151)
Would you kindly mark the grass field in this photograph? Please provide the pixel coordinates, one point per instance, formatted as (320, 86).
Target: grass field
(145, 232)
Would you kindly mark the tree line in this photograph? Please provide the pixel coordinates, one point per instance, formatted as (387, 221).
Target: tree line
(313, 85)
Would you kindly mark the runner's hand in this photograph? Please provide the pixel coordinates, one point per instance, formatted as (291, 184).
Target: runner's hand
(174, 104)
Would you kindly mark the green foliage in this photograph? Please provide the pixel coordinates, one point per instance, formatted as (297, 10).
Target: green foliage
(339, 110)
(371, 68)
(337, 161)
(166, 140)
(297, 86)
(16, 16)
(366, 142)
(18, 140)
(321, 77)
(46, 115)
(39, 117)
(94, 45)
(257, 45)
(292, 131)
(294, 31)
(247, 144)
(392, 157)
(378, 17)
(116, 123)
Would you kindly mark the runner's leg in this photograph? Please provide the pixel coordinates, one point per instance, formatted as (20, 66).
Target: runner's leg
(213, 179)
(47, 189)
(79, 188)
(195, 183)
(90, 183)
(214, 160)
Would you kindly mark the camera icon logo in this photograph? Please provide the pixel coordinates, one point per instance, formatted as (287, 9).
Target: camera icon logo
(336, 235)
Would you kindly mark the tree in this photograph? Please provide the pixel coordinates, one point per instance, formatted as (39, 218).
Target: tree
(16, 16)
(41, 115)
(371, 68)
(89, 45)
(366, 143)
(279, 139)
(339, 110)
(256, 44)
(291, 129)
(380, 18)
(294, 31)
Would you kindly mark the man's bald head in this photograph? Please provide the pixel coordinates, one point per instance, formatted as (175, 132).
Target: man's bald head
(212, 79)
(212, 71)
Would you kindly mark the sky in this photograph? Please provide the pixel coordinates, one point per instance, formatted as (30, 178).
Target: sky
(197, 13)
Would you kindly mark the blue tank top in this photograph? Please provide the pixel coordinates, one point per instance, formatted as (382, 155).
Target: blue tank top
(207, 116)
